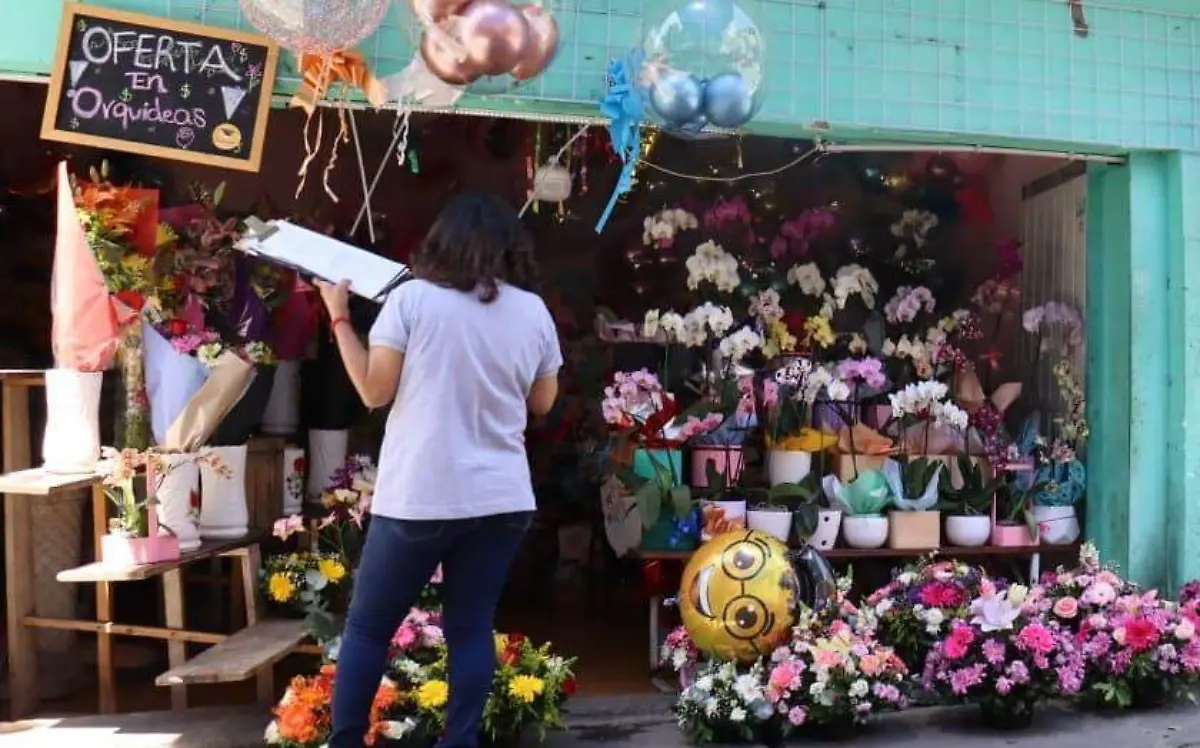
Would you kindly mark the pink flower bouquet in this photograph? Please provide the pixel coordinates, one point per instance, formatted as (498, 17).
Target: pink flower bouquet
(915, 610)
(1141, 651)
(1005, 658)
(1069, 596)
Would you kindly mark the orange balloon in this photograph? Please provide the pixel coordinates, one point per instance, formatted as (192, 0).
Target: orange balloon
(543, 42)
(444, 63)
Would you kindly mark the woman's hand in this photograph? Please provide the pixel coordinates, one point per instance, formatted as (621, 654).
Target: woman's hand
(336, 297)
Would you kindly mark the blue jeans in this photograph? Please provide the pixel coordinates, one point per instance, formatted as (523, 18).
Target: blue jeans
(398, 559)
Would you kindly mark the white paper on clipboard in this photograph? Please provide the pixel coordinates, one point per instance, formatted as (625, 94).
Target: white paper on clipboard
(320, 256)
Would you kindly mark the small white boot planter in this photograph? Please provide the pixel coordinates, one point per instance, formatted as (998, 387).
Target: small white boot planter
(71, 442)
(788, 466)
(326, 455)
(968, 531)
(776, 522)
(223, 510)
(829, 524)
(177, 494)
(282, 415)
(293, 481)
(1057, 525)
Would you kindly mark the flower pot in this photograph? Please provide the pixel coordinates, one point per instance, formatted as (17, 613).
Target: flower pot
(672, 533)
(1007, 715)
(788, 466)
(282, 414)
(727, 461)
(968, 531)
(622, 522)
(1012, 535)
(869, 531)
(119, 550)
(646, 463)
(774, 522)
(294, 465)
(1057, 525)
(326, 455)
(178, 500)
(71, 441)
(223, 510)
(914, 530)
(829, 523)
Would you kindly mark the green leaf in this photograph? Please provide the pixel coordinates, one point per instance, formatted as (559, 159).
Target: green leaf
(649, 503)
(681, 500)
(805, 520)
(93, 174)
(218, 194)
(715, 477)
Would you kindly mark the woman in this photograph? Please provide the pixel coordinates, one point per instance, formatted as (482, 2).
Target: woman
(464, 351)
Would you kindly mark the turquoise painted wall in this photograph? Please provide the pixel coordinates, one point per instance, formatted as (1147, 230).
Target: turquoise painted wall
(977, 70)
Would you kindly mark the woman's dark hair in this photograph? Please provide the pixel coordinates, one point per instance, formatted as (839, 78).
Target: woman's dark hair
(476, 242)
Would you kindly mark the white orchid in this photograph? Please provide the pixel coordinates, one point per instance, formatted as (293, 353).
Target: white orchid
(710, 263)
(808, 278)
(854, 280)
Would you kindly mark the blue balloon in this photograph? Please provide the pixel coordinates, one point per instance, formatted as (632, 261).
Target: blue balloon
(728, 101)
(677, 97)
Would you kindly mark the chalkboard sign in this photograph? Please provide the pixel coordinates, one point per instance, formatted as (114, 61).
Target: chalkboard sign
(163, 88)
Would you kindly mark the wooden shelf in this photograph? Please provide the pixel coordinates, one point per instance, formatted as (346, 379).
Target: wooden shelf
(38, 482)
(23, 377)
(240, 656)
(101, 572)
(834, 554)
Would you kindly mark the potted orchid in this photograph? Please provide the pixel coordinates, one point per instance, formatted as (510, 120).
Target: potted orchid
(968, 507)
(862, 503)
(787, 399)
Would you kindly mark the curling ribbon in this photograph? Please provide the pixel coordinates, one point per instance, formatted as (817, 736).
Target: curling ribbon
(318, 74)
(623, 107)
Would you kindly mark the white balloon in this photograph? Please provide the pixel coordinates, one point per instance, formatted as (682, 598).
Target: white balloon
(316, 26)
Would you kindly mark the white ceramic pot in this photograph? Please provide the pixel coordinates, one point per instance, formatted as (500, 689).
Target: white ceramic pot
(223, 510)
(829, 523)
(787, 466)
(1057, 525)
(968, 531)
(282, 415)
(293, 480)
(775, 522)
(865, 532)
(71, 442)
(326, 455)
(177, 505)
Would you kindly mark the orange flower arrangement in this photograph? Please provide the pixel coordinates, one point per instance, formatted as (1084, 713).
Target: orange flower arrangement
(304, 715)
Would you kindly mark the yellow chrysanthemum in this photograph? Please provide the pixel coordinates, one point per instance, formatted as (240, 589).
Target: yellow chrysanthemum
(280, 588)
(433, 695)
(332, 569)
(526, 688)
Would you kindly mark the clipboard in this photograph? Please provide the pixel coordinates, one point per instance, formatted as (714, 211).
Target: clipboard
(315, 255)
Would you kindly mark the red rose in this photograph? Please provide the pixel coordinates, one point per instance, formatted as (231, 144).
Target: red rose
(569, 687)
(178, 327)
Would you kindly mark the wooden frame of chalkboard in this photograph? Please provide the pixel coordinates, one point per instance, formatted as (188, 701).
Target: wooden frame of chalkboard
(227, 136)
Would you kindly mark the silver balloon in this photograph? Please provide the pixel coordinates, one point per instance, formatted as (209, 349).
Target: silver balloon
(728, 101)
(316, 26)
(677, 97)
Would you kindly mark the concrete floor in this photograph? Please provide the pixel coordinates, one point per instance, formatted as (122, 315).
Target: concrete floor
(640, 722)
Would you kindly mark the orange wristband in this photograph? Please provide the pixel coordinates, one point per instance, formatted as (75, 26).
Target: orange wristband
(333, 324)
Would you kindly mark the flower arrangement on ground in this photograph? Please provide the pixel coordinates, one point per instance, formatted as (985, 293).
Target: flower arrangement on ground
(304, 719)
(916, 609)
(725, 703)
(1005, 658)
(300, 581)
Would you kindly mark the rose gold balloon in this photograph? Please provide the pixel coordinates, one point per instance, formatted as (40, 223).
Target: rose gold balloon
(494, 35)
(443, 63)
(543, 42)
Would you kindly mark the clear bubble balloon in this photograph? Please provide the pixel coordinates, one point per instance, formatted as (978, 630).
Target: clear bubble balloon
(714, 46)
(316, 26)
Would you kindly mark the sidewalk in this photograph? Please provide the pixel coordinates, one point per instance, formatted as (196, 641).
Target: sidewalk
(639, 722)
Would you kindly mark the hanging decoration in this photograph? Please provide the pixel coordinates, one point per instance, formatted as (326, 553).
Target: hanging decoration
(488, 44)
(320, 73)
(703, 67)
(322, 27)
(622, 106)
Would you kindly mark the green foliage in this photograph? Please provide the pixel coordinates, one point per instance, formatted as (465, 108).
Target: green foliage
(975, 496)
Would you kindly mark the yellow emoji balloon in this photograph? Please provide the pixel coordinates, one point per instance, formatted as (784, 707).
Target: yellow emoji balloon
(738, 596)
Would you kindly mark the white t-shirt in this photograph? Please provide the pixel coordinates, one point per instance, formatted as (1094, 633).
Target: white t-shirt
(454, 447)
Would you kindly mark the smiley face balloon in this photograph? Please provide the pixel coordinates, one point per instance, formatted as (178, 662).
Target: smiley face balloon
(738, 596)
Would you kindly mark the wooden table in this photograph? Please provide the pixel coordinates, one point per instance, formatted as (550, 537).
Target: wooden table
(1032, 552)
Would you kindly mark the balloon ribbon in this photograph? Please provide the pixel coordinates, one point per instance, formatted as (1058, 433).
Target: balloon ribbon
(319, 73)
(623, 107)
